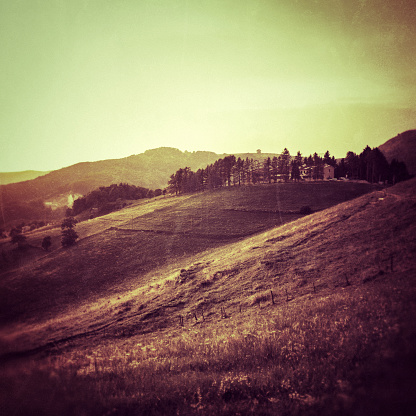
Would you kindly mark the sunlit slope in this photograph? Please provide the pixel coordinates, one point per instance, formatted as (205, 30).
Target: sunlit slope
(76, 296)
(118, 251)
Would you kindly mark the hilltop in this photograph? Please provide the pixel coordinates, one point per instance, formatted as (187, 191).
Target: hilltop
(312, 316)
(402, 148)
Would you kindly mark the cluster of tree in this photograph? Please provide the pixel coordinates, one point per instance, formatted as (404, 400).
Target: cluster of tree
(18, 211)
(69, 236)
(105, 197)
(16, 237)
(372, 166)
(236, 171)
(21, 228)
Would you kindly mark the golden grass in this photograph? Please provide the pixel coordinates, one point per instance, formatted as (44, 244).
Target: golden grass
(314, 357)
(337, 346)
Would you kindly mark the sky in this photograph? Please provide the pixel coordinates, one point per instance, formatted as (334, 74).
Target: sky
(86, 80)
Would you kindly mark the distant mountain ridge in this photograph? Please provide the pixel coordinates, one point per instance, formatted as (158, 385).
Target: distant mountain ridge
(14, 177)
(402, 148)
(150, 169)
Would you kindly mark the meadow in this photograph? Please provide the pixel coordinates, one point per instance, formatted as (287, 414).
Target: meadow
(312, 316)
(117, 249)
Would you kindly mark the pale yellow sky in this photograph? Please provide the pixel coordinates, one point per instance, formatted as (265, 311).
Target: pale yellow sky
(98, 79)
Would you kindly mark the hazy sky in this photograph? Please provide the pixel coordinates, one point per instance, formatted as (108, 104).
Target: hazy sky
(97, 79)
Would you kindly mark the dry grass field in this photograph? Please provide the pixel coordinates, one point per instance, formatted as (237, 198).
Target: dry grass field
(220, 303)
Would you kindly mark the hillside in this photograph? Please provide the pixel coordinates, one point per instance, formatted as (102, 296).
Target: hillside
(314, 316)
(159, 227)
(150, 169)
(14, 177)
(402, 148)
(24, 201)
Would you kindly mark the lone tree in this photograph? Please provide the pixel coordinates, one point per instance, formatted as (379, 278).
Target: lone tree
(69, 235)
(46, 243)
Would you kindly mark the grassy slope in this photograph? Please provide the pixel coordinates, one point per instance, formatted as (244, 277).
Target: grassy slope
(346, 331)
(119, 251)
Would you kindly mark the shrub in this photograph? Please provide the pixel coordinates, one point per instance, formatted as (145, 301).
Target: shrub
(46, 243)
(20, 240)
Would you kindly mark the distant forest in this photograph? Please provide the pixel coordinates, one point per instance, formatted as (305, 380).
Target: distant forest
(370, 165)
(107, 198)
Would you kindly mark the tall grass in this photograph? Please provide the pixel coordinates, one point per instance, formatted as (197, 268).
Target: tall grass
(320, 356)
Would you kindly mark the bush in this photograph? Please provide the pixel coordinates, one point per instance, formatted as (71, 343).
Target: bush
(20, 240)
(46, 243)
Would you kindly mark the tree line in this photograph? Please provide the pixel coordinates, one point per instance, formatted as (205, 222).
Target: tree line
(371, 165)
(237, 171)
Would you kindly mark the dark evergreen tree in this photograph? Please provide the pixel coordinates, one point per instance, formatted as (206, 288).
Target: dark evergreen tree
(267, 170)
(340, 169)
(275, 170)
(299, 158)
(352, 165)
(69, 235)
(327, 157)
(398, 171)
(295, 171)
(283, 164)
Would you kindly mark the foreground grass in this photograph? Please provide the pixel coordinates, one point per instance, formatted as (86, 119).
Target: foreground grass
(350, 353)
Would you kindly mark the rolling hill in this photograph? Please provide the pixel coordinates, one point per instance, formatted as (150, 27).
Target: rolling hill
(23, 201)
(150, 169)
(14, 177)
(225, 302)
(402, 148)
